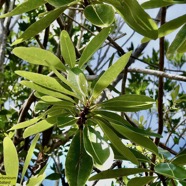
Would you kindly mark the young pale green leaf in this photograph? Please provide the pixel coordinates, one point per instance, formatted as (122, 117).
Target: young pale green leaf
(180, 160)
(40, 25)
(11, 162)
(39, 127)
(59, 3)
(45, 81)
(136, 138)
(38, 56)
(45, 90)
(36, 180)
(110, 75)
(97, 147)
(24, 7)
(78, 163)
(140, 181)
(179, 40)
(155, 4)
(29, 156)
(138, 20)
(97, 14)
(93, 46)
(67, 49)
(128, 103)
(25, 124)
(78, 82)
(117, 173)
(116, 142)
(170, 170)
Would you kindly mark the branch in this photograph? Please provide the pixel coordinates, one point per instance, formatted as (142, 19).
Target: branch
(158, 73)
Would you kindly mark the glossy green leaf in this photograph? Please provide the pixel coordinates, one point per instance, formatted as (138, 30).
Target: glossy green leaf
(63, 121)
(67, 49)
(136, 138)
(29, 156)
(25, 124)
(117, 173)
(116, 142)
(24, 7)
(155, 4)
(40, 25)
(141, 181)
(98, 149)
(11, 162)
(138, 20)
(180, 160)
(110, 75)
(45, 90)
(56, 101)
(38, 56)
(78, 163)
(45, 81)
(93, 46)
(36, 180)
(59, 3)
(179, 40)
(39, 127)
(128, 103)
(170, 170)
(78, 82)
(97, 14)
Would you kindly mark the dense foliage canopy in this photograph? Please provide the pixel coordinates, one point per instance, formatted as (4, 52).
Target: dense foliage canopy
(75, 106)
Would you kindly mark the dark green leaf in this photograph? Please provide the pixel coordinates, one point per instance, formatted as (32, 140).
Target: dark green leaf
(59, 3)
(117, 173)
(170, 170)
(38, 56)
(155, 4)
(97, 14)
(24, 7)
(78, 163)
(141, 181)
(53, 176)
(110, 75)
(180, 160)
(40, 25)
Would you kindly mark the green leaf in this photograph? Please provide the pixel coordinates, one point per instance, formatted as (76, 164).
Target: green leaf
(138, 20)
(29, 156)
(46, 91)
(141, 181)
(45, 81)
(127, 103)
(24, 7)
(59, 3)
(36, 180)
(98, 149)
(11, 162)
(40, 25)
(78, 163)
(97, 14)
(38, 56)
(93, 46)
(78, 82)
(63, 121)
(116, 141)
(117, 173)
(53, 176)
(179, 40)
(39, 127)
(180, 160)
(170, 170)
(110, 75)
(25, 124)
(136, 138)
(67, 49)
(55, 101)
(155, 4)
